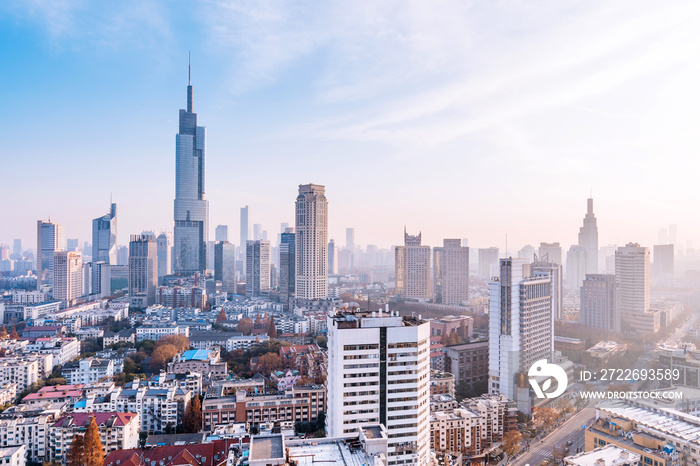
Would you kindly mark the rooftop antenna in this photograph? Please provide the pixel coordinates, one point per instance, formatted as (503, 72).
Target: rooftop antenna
(189, 68)
(506, 244)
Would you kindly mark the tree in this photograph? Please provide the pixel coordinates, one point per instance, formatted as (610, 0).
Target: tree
(193, 416)
(511, 443)
(180, 342)
(222, 316)
(76, 451)
(322, 341)
(13, 334)
(94, 451)
(271, 329)
(545, 418)
(245, 325)
(162, 355)
(269, 362)
(3, 332)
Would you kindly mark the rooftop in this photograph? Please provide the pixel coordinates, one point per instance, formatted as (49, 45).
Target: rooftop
(609, 455)
(196, 355)
(265, 448)
(305, 453)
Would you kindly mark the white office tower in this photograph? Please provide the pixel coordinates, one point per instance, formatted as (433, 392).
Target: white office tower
(104, 237)
(521, 328)
(67, 275)
(97, 280)
(164, 245)
(49, 239)
(588, 239)
(379, 372)
(412, 268)
(632, 272)
(311, 242)
(451, 269)
(257, 268)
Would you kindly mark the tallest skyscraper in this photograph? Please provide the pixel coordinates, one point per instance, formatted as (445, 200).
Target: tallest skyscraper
(191, 207)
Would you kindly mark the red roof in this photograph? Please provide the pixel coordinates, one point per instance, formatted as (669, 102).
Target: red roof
(82, 419)
(173, 455)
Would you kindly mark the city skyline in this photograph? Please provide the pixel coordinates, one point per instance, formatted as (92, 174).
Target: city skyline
(263, 110)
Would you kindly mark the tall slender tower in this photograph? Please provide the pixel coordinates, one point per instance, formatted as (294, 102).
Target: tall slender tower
(588, 239)
(104, 237)
(311, 242)
(49, 239)
(191, 208)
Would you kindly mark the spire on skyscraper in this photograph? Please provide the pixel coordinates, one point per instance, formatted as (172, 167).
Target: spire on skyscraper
(189, 83)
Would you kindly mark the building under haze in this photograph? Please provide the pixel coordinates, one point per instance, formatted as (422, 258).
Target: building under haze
(550, 252)
(164, 244)
(350, 239)
(588, 240)
(104, 237)
(412, 268)
(599, 306)
(632, 272)
(541, 266)
(287, 262)
(332, 258)
(451, 272)
(575, 267)
(143, 270)
(664, 260)
(67, 276)
(244, 235)
(225, 266)
(191, 208)
(49, 239)
(221, 233)
(521, 328)
(311, 249)
(257, 281)
(488, 262)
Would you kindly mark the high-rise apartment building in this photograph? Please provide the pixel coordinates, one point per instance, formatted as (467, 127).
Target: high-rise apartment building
(104, 237)
(311, 242)
(143, 270)
(550, 252)
(632, 271)
(540, 267)
(588, 239)
(191, 207)
(221, 233)
(164, 245)
(488, 263)
(379, 372)
(225, 266)
(451, 272)
(245, 229)
(97, 279)
(599, 307)
(521, 327)
(257, 268)
(350, 239)
(664, 260)
(287, 263)
(332, 258)
(67, 275)
(575, 266)
(412, 268)
(49, 239)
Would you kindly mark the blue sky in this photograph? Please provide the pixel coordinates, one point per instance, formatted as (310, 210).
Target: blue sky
(460, 119)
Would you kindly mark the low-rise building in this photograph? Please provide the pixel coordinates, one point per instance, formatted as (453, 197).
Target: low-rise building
(127, 335)
(16, 370)
(230, 341)
(442, 383)
(603, 353)
(118, 431)
(156, 332)
(609, 455)
(215, 453)
(204, 361)
(63, 349)
(88, 370)
(14, 455)
(468, 362)
(8, 393)
(24, 425)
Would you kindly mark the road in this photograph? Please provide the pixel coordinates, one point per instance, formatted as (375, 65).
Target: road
(570, 431)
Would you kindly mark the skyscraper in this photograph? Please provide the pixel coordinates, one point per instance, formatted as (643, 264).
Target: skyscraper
(599, 306)
(191, 207)
(311, 242)
(143, 270)
(664, 260)
(244, 234)
(370, 383)
(104, 237)
(164, 245)
(257, 231)
(67, 276)
(488, 262)
(350, 239)
(49, 239)
(632, 271)
(575, 266)
(287, 262)
(225, 265)
(257, 281)
(540, 267)
(97, 279)
(412, 267)
(521, 327)
(588, 239)
(451, 269)
(550, 252)
(221, 233)
(17, 248)
(332, 258)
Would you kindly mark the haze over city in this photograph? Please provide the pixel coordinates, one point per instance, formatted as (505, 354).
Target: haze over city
(466, 120)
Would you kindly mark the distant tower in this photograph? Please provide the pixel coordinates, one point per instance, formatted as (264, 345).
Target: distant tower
(225, 265)
(143, 270)
(350, 239)
(221, 233)
(599, 302)
(664, 260)
(164, 249)
(49, 239)
(311, 242)
(488, 262)
(632, 271)
(551, 252)
(588, 239)
(257, 281)
(451, 269)
(104, 237)
(191, 207)
(244, 234)
(412, 268)
(575, 266)
(287, 263)
(67, 275)
(332, 258)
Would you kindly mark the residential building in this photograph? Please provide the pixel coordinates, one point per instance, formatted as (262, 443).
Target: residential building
(451, 273)
(50, 238)
(205, 362)
(214, 453)
(588, 240)
(521, 327)
(311, 238)
(412, 268)
(599, 302)
(156, 332)
(609, 455)
(143, 270)
(104, 237)
(287, 263)
(18, 371)
(632, 270)
(88, 370)
(67, 276)
(118, 431)
(29, 426)
(230, 341)
(369, 380)
(257, 268)
(63, 349)
(469, 362)
(14, 456)
(442, 383)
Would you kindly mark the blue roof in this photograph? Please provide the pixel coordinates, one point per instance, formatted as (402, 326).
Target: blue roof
(199, 355)
(81, 403)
